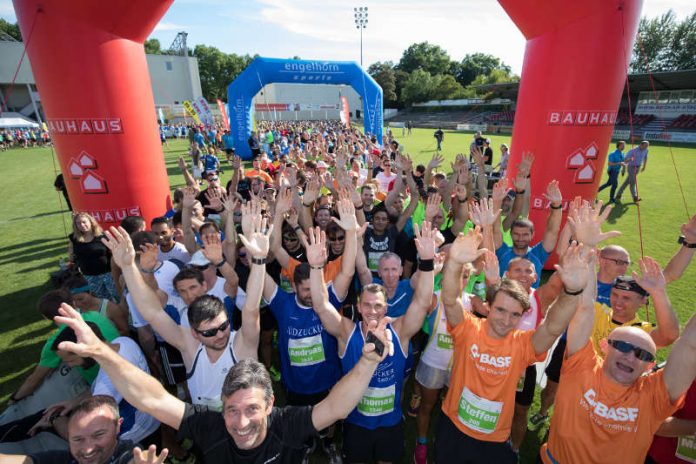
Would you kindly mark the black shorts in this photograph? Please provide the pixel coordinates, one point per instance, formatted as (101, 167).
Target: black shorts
(452, 446)
(229, 151)
(173, 367)
(553, 370)
(365, 445)
(525, 396)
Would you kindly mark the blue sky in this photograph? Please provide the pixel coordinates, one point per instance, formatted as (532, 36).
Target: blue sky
(326, 30)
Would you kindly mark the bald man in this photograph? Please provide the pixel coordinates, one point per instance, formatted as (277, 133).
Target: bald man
(613, 262)
(606, 409)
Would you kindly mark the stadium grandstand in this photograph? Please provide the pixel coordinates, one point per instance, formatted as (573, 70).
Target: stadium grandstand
(660, 106)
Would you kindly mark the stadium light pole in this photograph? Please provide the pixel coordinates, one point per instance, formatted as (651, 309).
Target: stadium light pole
(360, 23)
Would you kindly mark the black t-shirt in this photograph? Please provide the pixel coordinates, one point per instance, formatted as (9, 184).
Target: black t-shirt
(488, 153)
(93, 258)
(122, 455)
(288, 430)
(376, 245)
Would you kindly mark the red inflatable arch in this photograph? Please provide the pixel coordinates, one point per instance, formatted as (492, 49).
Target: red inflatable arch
(574, 71)
(89, 65)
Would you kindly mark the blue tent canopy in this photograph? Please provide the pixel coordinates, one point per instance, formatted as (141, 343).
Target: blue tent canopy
(264, 71)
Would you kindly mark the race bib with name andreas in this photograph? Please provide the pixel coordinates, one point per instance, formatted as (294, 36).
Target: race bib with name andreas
(444, 341)
(478, 413)
(306, 351)
(686, 448)
(377, 401)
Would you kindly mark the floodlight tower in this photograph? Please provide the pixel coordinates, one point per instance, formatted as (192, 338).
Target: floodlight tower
(360, 23)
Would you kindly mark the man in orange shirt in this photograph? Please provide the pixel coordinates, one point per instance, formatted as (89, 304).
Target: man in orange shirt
(606, 409)
(490, 355)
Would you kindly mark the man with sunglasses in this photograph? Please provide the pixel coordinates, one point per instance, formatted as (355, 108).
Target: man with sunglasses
(607, 409)
(209, 347)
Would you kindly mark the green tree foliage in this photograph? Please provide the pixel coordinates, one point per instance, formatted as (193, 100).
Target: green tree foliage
(477, 64)
(384, 74)
(10, 29)
(664, 44)
(446, 87)
(428, 57)
(217, 69)
(153, 47)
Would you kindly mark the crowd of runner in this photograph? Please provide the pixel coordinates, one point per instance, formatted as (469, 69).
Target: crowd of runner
(337, 269)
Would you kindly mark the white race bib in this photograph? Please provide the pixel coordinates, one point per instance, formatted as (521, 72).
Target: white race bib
(478, 413)
(306, 351)
(377, 401)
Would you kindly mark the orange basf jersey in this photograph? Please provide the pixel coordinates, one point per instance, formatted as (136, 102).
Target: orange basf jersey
(485, 372)
(597, 420)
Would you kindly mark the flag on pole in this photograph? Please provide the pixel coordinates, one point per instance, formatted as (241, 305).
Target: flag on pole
(345, 112)
(223, 111)
(189, 109)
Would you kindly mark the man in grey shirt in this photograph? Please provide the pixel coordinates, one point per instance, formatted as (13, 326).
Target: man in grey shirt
(636, 159)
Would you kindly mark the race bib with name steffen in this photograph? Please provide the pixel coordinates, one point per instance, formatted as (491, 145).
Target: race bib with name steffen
(686, 448)
(306, 351)
(377, 401)
(478, 413)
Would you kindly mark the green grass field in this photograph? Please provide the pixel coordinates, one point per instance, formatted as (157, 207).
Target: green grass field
(34, 225)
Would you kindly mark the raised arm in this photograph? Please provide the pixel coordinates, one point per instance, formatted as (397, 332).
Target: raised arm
(435, 162)
(257, 245)
(346, 394)
(412, 204)
(187, 203)
(484, 214)
(282, 207)
(465, 249)
(682, 258)
(229, 245)
(553, 223)
(574, 272)
(681, 368)
(142, 391)
(236, 175)
(653, 281)
(412, 321)
(460, 208)
(349, 224)
(337, 325)
(145, 299)
(580, 327)
(188, 178)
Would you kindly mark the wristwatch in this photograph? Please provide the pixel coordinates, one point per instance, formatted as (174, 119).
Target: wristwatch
(682, 241)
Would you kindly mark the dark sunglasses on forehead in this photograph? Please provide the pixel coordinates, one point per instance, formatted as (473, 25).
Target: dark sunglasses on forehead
(200, 268)
(625, 347)
(212, 332)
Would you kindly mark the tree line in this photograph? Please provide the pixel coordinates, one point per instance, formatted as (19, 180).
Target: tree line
(426, 71)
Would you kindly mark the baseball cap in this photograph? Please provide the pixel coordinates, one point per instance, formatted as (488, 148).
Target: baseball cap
(629, 284)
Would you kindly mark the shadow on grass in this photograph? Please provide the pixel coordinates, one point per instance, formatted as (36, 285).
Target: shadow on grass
(19, 308)
(619, 210)
(36, 216)
(30, 244)
(40, 332)
(34, 254)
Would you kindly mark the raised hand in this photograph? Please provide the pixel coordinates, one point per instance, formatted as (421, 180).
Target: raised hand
(229, 203)
(553, 193)
(688, 230)
(491, 266)
(346, 212)
(148, 256)
(283, 201)
(149, 456)
(250, 211)
(311, 192)
(575, 267)
(237, 162)
(478, 156)
(436, 161)
(212, 249)
(214, 198)
(189, 198)
(651, 277)
(500, 190)
(87, 343)
(384, 335)
(465, 249)
(525, 165)
(520, 181)
(425, 240)
(119, 243)
(432, 206)
(483, 214)
(257, 240)
(182, 163)
(315, 247)
(290, 175)
(587, 221)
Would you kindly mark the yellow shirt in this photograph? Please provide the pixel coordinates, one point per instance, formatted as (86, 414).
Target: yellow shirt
(604, 324)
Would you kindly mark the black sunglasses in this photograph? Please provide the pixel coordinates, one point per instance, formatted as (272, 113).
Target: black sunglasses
(626, 347)
(337, 239)
(212, 332)
(200, 268)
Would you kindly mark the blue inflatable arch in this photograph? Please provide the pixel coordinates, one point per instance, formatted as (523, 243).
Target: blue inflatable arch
(264, 71)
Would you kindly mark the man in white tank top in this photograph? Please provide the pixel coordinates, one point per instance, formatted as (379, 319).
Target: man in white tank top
(209, 347)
